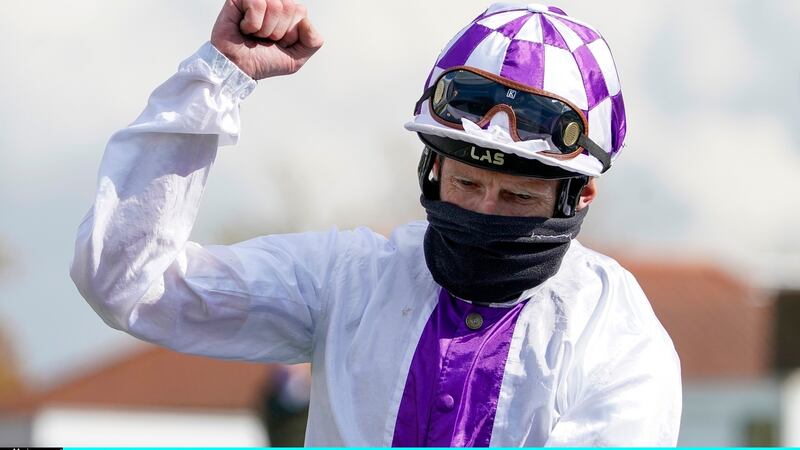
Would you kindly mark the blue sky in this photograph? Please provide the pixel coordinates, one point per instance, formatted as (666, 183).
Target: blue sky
(708, 172)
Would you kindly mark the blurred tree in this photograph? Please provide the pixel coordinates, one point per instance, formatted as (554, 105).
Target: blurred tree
(10, 380)
(284, 407)
(5, 262)
(787, 333)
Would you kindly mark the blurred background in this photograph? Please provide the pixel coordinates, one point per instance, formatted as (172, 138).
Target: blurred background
(701, 206)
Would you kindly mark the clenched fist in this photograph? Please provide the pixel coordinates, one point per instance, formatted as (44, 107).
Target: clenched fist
(265, 38)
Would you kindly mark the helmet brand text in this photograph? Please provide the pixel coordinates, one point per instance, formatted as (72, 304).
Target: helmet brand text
(486, 155)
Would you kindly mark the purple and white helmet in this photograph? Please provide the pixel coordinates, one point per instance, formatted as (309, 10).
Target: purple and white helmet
(541, 47)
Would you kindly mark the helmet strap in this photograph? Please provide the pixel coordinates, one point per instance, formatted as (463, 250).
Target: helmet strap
(595, 151)
(430, 188)
(569, 194)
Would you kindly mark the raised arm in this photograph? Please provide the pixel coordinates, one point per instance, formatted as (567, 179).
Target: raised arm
(133, 262)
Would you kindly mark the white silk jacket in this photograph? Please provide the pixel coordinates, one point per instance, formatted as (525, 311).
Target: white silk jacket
(585, 361)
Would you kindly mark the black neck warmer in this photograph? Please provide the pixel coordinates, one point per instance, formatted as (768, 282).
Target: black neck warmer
(493, 259)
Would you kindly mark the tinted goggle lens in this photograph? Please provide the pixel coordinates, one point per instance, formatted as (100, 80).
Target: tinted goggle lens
(461, 94)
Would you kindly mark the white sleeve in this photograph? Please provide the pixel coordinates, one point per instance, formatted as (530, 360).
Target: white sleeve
(258, 300)
(626, 391)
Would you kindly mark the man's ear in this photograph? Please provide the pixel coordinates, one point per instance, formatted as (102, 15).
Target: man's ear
(437, 167)
(588, 194)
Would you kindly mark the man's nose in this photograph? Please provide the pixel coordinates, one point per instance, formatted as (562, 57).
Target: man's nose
(488, 204)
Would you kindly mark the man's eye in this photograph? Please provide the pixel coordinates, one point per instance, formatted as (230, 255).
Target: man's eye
(465, 183)
(519, 197)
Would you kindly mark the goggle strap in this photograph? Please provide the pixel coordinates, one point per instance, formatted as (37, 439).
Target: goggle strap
(425, 95)
(595, 151)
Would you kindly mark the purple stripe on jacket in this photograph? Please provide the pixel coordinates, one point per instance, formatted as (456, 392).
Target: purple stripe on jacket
(450, 396)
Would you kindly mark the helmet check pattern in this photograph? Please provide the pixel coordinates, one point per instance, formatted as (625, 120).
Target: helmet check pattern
(543, 48)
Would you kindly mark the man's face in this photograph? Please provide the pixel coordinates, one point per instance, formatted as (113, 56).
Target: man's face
(489, 192)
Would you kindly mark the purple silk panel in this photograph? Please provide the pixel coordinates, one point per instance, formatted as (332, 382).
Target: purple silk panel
(418, 109)
(524, 63)
(586, 34)
(459, 52)
(551, 36)
(593, 80)
(617, 122)
(511, 28)
(450, 396)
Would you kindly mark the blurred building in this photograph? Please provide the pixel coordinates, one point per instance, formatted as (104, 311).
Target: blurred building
(154, 397)
(723, 331)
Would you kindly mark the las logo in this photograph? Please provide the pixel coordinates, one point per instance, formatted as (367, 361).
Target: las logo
(487, 155)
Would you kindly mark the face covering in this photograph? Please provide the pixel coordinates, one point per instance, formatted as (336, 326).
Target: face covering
(493, 259)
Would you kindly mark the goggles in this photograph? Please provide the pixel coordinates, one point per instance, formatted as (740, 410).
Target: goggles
(477, 95)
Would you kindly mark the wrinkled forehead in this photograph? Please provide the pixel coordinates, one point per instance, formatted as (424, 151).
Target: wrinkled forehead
(452, 167)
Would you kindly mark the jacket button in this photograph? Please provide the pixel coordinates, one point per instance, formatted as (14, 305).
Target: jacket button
(474, 321)
(445, 403)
